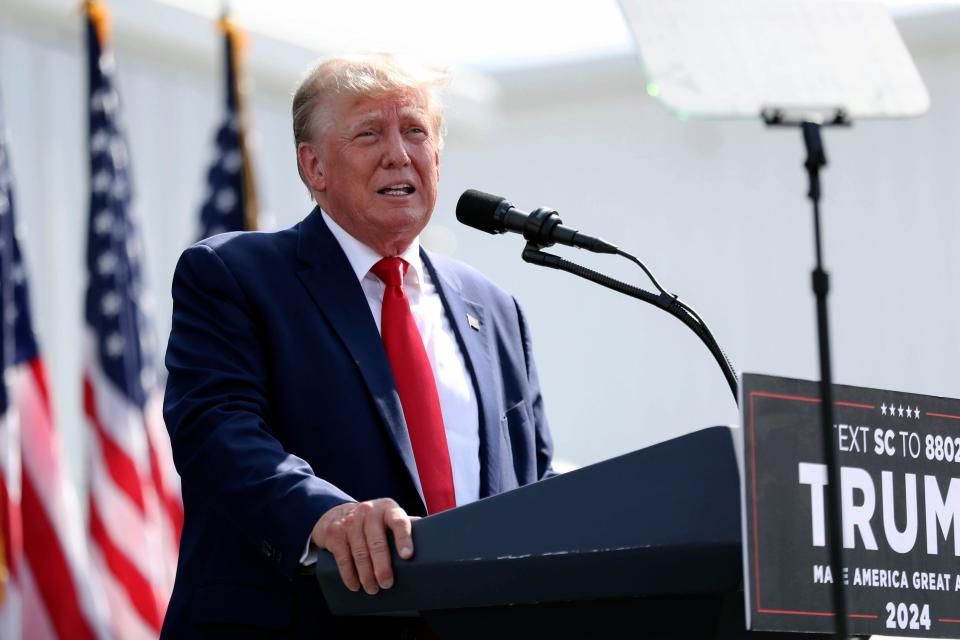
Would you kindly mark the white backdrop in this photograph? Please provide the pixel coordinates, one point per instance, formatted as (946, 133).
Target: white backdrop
(716, 209)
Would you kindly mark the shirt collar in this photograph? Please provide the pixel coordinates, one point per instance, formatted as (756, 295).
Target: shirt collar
(362, 258)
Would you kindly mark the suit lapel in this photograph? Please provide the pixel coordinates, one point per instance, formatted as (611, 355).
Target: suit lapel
(472, 328)
(333, 285)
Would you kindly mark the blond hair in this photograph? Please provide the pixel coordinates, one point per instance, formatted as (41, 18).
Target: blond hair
(366, 74)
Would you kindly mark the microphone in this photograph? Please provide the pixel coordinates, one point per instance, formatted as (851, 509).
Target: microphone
(493, 214)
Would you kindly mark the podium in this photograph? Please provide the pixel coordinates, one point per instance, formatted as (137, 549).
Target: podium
(645, 545)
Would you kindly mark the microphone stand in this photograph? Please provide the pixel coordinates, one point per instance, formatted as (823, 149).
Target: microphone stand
(669, 302)
(810, 126)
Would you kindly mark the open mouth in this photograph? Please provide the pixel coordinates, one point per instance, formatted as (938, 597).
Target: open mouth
(399, 189)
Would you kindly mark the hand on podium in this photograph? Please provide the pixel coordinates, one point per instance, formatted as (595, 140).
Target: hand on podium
(356, 534)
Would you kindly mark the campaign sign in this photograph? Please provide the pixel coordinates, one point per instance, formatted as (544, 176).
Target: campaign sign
(899, 456)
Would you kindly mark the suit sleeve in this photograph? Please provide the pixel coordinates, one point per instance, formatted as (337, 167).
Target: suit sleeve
(543, 440)
(217, 412)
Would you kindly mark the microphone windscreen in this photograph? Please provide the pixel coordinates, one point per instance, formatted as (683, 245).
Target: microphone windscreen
(476, 209)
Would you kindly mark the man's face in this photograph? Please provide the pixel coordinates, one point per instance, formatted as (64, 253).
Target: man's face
(377, 167)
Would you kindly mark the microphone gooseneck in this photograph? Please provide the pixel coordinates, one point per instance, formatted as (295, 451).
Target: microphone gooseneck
(543, 228)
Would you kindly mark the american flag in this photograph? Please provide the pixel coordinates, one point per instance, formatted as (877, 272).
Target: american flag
(230, 202)
(51, 591)
(135, 508)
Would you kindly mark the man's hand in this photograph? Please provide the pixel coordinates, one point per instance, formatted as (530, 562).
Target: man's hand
(356, 534)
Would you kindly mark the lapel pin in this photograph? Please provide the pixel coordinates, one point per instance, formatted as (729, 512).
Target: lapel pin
(473, 322)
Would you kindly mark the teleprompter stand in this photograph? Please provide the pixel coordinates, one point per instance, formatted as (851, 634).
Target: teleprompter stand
(646, 545)
(810, 125)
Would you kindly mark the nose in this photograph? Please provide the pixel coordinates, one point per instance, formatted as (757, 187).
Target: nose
(394, 151)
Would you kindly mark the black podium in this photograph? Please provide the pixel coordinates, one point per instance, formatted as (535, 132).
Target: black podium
(646, 545)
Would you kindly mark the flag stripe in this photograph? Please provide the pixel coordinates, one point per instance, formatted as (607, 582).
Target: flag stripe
(121, 467)
(135, 585)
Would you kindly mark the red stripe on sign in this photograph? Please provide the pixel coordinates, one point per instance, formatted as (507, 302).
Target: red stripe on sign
(952, 620)
(137, 587)
(50, 568)
(783, 396)
(120, 466)
(822, 614)
(943, 415)
(753, 491)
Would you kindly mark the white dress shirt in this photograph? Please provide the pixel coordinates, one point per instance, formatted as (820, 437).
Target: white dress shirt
(458, 402)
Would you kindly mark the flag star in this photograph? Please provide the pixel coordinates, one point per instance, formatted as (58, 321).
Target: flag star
(18, 274)
(110, 303)
(107, 263)
(100, 140)
(900, 410)
(114, 345)
(119, 189)
(883, 408)
(232, 161)
(106, 62)
(103, 221)
(147, 378)
(916, 413)
(226, 199)
(102, 181)
(118, 152)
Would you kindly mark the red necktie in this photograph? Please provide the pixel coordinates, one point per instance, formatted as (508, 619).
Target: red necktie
(417, 388)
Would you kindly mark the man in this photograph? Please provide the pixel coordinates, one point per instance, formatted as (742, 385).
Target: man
(331, 382)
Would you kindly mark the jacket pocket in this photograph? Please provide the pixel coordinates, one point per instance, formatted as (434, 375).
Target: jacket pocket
(518, 449)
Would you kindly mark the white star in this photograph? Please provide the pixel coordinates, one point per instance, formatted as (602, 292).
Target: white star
(883, 408)
(100, 140)
(916, 413)
(226, 199)
(133, 248)
(147, 378)
(900, 410)
(106, 62)
(102, 181)
(18, 274)
(120, 189)
(106, 263)
(232, 161)
(114, 345)
(102, 221)
(118, 152)
(110, 303)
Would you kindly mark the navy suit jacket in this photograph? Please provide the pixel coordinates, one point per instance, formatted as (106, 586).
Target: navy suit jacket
(281, 404)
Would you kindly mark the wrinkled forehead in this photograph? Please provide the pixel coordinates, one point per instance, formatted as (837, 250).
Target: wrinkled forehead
(349, 110)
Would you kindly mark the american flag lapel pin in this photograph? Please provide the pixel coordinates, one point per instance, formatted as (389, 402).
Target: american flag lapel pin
(473, 322)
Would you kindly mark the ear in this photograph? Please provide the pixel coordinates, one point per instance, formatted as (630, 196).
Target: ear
(308, 157)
